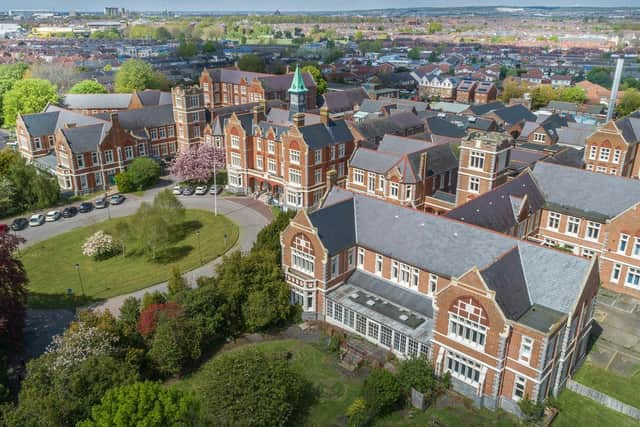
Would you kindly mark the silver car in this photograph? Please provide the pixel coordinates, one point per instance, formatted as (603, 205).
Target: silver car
(36, 220)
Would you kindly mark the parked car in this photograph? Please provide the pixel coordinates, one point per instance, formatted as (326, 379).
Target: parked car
(201, 190)
(177, 190)
(4, 228)
(36, 220)
(216, 189)
(85, 207)
(69, 211)
(101, 203)
(187, 191)
(19, 224)
(116, 199)
(53, 216)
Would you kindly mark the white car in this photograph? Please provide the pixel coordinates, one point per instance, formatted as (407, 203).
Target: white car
(201, 190)
(36, 220)
(53, 216)
(177, 190)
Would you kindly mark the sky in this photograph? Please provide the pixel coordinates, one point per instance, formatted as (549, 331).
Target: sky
(291, 5)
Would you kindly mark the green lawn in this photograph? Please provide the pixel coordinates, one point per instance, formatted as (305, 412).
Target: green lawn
(625, 389)
(337, 390)
(464, 416)
(576, 411)
(50, 263)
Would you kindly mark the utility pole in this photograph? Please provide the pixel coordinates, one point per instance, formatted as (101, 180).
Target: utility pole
(77, 266)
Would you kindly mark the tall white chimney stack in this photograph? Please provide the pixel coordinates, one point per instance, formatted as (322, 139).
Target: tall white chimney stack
(614, 88)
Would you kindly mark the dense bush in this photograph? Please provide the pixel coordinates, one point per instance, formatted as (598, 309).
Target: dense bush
(251, 388)
(99, 246)
(141, 174)
(532, 411)
(382, 392)
(146, 404)
(418, 373)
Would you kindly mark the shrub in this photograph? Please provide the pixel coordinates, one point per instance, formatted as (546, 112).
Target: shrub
(99, 246)
(531, 410)
(357, 413)
(382, 392)
(78, 343)
(418, 373)
(149, 316)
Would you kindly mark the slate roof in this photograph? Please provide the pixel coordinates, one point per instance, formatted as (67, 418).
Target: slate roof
(480, 109)
(440, 126)
(630, 128)
(320, 135)
(86, 139)
(149, 117)
(53, 118)
(374, 130)
(340, 101)
(515, 114)
(571, 190)
(497, 210)
(150, 98)
(282, 82)
(450, 248)
(101, 101)
(234, 76)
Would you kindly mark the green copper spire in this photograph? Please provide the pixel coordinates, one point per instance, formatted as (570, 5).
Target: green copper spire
(297, 84)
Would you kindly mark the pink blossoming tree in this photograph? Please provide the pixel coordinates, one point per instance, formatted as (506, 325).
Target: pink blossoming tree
(197, 164)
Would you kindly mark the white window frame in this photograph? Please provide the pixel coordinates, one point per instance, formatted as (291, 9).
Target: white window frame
(476, 160)
(632, 279)
(538, 137)
(272, 167)
(593, 151)
(358, 176)
(593, 231)
(361, 257)
(235, 141)
(636, 247)
(433, 284)
(379, 264)
(318, 156)
(623, 244)
(615, 273)
(526, 350)
(519, 387)
(294, 157)
(616, 156)
(553, 221)
(604, 154)
(394, 189)
(573, 222)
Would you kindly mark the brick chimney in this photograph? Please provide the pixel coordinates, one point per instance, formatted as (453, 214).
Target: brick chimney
(258, 114)
(298, 120)
(423, 165)
(332, 177)
(115, 120)
(324, 115)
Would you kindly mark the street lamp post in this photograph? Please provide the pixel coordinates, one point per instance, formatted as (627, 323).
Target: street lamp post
(77, 266)
(199, 246)
(215, 191)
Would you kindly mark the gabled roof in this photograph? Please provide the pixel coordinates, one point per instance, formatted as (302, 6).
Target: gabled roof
(149, 117)
(339, 101)
(85, 139)
(151, 97)
(571, 191)
(480, 109)
(543, 277)
(496, 210)
(53, 118)
(630, 128)
(514, 114)
(321, 135)
(98, 101)
(440, 126)
(282, 82)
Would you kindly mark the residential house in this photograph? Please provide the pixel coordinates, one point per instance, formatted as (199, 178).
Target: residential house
(465, 91)
(485, 93)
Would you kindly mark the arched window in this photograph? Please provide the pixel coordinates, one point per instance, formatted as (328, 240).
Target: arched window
(468, 322)
(302, 256)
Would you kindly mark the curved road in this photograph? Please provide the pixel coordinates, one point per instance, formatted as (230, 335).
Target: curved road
(250, 216)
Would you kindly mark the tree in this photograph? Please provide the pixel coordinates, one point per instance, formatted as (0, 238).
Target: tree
(321, 83)
(13, 292)
(146, 404)
(251, 388)
(251, 62)
(600, 76)
(25, 97)
(62, 76)
(150, 315)
(9, 74)
(162, 34)
(99, 246)
(512, 88)
(541, 95)
(141, 174)
(176, 341)
(269, 237)
(572, 94)
(382, 392)
(177, 284)
(414, 54)
(197, 163)
(63, 397)
(88, 86)
(136, 74)
(434, 27)
(629, 103)
(418, 373)
(78, 343)
(187, 49)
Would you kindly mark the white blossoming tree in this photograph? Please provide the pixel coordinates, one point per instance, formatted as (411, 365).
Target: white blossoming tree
(78, 343)
(99, 245)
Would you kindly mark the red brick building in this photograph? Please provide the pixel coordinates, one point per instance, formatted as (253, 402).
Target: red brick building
(230, 86)
(506, 318)
(613, 148)
(286, 154)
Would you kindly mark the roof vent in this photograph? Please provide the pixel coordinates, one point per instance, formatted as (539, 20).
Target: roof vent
(422, 224)
(371, 302)
(355, 295)
(396, 216)
(455, 234)
(477, 210)
(404, 317)
(490, 202)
